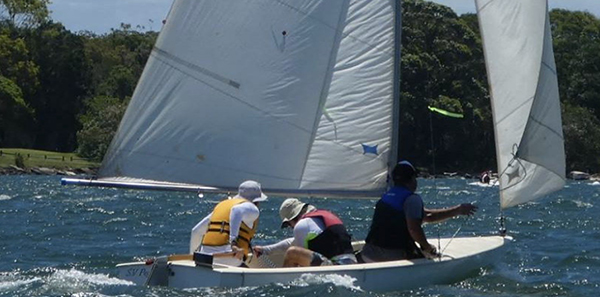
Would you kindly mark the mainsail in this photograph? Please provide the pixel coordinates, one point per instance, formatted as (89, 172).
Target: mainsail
(298, 95)
(525, 100)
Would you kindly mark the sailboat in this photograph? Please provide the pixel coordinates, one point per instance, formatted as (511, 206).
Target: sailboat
(303, 97)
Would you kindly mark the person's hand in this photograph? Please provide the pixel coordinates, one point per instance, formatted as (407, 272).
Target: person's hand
(257, 251)
(429, 251)
(237, 252)
(467, 209)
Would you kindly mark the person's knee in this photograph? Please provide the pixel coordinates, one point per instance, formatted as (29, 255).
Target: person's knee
(297, 256)
(293, 252)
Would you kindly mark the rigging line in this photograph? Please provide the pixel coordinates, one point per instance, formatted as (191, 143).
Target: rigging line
(434, 179)
(453, 236)
(502, 225)
(515, 158)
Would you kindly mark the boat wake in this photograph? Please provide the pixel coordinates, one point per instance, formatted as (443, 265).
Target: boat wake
(335, 279)
(6, 284)
(51, 281)
(484, 185)
(74, 276)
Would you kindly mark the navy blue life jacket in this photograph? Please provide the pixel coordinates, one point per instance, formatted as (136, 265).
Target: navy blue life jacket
(388, 228)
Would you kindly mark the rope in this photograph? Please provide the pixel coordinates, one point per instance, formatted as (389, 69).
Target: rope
(453, 236)
(264, 261)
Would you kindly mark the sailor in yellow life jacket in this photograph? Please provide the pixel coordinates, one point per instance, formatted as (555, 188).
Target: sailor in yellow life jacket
(225, 234)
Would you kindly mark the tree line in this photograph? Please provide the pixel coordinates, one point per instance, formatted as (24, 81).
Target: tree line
(66, 91)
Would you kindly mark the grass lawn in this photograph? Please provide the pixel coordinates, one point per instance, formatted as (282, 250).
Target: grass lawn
(35, 158)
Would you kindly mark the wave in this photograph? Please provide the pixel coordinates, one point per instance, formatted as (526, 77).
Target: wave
(74, 276)
(5, 197)
(12, 284)
(335, 279)
(49, 281)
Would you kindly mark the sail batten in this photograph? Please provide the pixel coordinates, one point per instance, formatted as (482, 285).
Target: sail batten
(235, 90)
(525, 100)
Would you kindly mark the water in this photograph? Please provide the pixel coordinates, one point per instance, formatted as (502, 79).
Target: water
(65, 241)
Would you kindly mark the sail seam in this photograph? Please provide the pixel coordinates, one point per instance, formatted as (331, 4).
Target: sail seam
(550, 68)
(546, 126)
(325, 88)
(196, 68)
(252, 106)
(255, 108)
(515, 109)
(230, 95)
(376, 47)
(485, 6)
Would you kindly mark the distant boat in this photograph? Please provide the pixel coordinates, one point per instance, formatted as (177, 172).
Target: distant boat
(579, 175)
(303, 97)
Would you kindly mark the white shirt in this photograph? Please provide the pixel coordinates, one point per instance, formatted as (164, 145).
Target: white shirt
(305, 230)
(245, 212)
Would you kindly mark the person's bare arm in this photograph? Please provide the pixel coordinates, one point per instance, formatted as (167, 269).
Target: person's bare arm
(437, 215)
(416, 232)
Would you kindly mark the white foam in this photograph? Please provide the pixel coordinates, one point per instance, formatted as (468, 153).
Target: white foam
(483, 185)
(12, 284)
(582, 204)
(216, 292)
(5, 197)
(74, 277)
(335, 279)
(115, 220)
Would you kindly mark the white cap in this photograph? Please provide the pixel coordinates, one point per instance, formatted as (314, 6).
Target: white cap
(251, 190)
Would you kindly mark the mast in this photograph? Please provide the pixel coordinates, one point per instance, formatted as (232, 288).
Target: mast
(393, 159)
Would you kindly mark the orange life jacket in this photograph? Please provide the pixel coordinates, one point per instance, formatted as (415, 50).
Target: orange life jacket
(218, 228)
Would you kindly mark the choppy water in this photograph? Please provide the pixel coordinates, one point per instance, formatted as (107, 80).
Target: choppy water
(65, 241)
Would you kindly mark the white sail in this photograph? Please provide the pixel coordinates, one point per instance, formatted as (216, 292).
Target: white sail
(525, 100)
(298, 95)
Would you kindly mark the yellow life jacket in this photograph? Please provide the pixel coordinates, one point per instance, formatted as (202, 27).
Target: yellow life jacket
(218, 228)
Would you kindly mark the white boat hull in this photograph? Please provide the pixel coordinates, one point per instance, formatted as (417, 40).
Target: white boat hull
(463, 258)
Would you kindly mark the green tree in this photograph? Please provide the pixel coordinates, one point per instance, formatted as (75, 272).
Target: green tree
(576, 37)
(64, 82)
(117, 60)
(16, 63)
(442, 66)
(15, 115)
(582, 134)
(100, 123)
(18, 79)
(24, 13)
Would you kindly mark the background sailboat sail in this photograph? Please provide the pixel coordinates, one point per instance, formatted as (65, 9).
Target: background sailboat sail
(298, 95)
(525, 99)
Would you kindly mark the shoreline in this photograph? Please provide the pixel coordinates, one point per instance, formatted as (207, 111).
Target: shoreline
(14, 170)
(92, 171)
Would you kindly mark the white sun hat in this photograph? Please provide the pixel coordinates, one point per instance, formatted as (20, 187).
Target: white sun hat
(251, 190)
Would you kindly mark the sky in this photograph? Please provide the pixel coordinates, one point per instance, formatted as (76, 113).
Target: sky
(99, 16)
